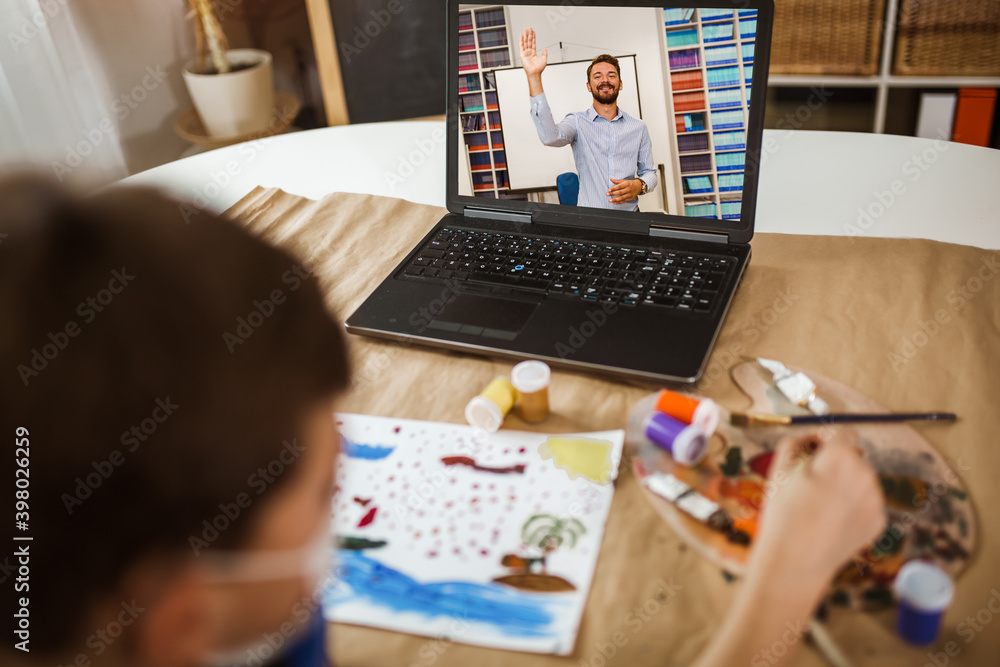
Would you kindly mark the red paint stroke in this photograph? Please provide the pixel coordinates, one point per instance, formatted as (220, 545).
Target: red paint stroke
(362, 501)
(469, 461)
(761, 464)
(367, 518)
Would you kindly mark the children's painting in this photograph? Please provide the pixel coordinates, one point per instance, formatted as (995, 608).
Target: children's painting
(485, 538)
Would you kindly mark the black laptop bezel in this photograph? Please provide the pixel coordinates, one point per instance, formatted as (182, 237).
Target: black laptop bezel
(735, 231)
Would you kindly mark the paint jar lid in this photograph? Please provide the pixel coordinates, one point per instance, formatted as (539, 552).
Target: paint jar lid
(706, 416)
(483, 413)
(530, 376)
(690, 446)
(924, 587)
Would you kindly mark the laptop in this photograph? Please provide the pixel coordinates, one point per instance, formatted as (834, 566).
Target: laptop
(602, 175)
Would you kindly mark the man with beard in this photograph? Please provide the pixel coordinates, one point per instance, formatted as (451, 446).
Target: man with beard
(611, 149)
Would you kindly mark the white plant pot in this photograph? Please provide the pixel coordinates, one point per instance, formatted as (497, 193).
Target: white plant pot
(235, 103)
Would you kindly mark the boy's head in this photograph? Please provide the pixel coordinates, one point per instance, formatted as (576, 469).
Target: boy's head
(174, 380)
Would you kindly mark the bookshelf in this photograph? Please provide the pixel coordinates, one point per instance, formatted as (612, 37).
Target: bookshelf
(484, 44)
(709, 67)
(886, 90)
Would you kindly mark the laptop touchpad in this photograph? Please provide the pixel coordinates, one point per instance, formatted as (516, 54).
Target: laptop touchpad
(485, 316)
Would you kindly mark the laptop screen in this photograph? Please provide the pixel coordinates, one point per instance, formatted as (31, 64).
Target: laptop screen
(628, 109)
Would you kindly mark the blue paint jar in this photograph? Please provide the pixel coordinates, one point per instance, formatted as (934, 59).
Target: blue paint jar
(924, 592)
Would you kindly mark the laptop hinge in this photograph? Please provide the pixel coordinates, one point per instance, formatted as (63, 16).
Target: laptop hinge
(707, 237)
(491, 214)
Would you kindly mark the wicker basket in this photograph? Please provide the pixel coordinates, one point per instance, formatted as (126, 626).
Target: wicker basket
(948, 38)
(827, 36)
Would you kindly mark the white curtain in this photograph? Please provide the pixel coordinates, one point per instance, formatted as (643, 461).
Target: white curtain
(56, 107)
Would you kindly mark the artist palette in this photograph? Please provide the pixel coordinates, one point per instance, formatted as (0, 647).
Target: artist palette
(930, 515)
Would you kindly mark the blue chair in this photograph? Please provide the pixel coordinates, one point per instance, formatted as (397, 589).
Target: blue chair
(568, 185)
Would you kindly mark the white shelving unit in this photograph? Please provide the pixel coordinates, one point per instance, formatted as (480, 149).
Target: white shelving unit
(885, 80)
(485, 44)
(720, 201)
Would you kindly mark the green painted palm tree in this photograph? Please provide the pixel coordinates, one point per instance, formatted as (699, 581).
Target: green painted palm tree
(548, 532)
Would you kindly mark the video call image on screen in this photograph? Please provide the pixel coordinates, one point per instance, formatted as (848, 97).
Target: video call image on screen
(664, 109)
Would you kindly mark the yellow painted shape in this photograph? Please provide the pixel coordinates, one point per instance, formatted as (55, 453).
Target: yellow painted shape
(579, 457)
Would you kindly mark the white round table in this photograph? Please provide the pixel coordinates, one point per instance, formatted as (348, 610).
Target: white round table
(830, 183)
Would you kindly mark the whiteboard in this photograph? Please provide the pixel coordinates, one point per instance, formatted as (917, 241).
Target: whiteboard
(531, 165)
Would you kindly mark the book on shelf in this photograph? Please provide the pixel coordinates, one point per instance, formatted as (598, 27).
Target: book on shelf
(748, 76)
(677, 38)
(725, 98)
(695, 163)
(689, 101)
(467, 41)
(477, 141)
(698, 184)
(467, 61)
(700, 210)
(488, 18)
(465, 21)
(684, 59)
(717, 32)
(686, 80)
(474, 122)
(727, 120)
(489, 39)
(720, 55)
(690, 122)
(730, 209)
(748, 28)
(974, 116)
(692, 143)
(748, 51)
(730, 182)
(715, 14)
(677, 15)
(730, 140)
(480, 161)
(722, 77)
(937, 115)
(734, 161)
(494, 59)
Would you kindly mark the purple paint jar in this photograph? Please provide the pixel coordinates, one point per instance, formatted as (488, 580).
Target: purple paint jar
(687, 444)
(924, 592)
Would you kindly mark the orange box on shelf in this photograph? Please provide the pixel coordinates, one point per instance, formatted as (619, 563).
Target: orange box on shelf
(974, 116)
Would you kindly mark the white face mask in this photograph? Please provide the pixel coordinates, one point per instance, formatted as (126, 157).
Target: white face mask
(311, 563)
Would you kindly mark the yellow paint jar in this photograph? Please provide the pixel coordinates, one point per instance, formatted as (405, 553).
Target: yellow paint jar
(488, 410)
(531, 379)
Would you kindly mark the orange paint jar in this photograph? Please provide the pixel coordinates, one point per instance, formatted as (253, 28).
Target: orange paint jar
(703, 414)
(531, 379)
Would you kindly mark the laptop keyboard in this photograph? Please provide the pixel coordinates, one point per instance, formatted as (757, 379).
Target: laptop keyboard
(598, 272)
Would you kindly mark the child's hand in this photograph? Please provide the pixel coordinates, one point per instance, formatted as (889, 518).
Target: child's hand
(826, 504)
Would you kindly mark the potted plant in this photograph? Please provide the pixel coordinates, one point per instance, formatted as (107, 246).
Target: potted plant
(232, 89)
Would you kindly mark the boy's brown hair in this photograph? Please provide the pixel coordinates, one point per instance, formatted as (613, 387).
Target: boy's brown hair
(158, 365)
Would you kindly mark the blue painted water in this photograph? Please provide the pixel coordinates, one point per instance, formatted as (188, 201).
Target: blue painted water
(356, 450)
(509, 611)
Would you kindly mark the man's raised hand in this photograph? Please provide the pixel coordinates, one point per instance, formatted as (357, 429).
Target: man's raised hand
(532, 62)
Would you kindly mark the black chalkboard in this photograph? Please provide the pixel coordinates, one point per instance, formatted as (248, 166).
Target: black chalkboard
(392, 57)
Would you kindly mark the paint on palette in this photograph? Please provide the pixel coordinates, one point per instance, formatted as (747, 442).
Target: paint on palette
(509, 612)
(580, 457)
(362, 501)
(541, 534)
(357, 450)
(470, 462)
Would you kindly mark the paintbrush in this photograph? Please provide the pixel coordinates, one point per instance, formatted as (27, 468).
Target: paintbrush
(744, 419)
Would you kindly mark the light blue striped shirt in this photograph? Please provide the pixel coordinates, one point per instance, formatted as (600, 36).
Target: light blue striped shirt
(602, 149)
